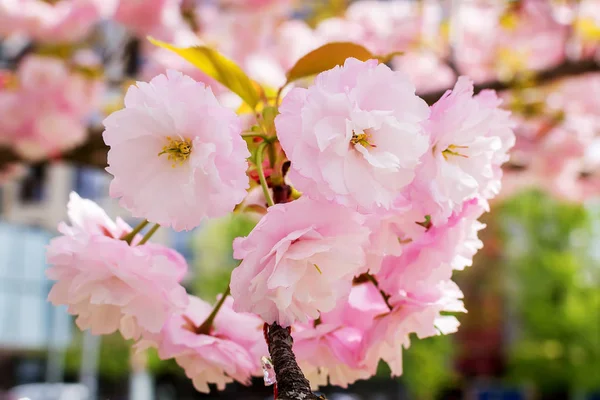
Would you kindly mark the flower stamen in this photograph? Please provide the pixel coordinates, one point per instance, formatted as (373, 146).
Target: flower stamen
(362, 139)
(452, 151)
(177, 150)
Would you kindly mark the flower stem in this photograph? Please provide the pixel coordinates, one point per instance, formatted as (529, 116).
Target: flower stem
(149, 234)
(261, 173)
(129, 237)
(204, 329)
(272, 155)
(256, 135)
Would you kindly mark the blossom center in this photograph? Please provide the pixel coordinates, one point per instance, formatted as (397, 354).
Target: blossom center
(177, 150)
(454, 150)
(362, 139)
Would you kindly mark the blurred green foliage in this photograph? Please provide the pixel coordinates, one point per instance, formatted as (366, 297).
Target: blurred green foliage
(114, 356)
(213, 253)
(428, 367)
(552, 289)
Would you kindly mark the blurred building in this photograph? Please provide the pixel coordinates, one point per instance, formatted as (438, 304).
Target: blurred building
(30, 210)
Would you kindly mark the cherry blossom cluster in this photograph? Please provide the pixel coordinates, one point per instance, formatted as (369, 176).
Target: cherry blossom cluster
(45, 106)
(368, 200)
(439, 40)
(557, 147)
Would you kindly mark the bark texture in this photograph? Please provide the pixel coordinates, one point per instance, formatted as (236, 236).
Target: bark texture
(291, 382)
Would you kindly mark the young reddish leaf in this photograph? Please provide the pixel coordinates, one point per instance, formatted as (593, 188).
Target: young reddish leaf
(325, 58)
(388, 57)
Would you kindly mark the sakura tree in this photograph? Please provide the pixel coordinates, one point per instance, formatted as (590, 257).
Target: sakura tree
(366, 174)
(371, 202)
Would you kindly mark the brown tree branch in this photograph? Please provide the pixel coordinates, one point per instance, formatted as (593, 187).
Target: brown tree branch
(291, 382)
(563, 70)
(93, 152)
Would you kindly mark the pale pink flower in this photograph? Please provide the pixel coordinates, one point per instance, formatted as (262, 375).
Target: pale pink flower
(330, 354)
(270, 9)
(354, 137)
(293, 270)
(176, 154)
(485, 48)
(227, 30)
(227, 353)
(59, 105)
(418, 313)
(150, 17)
(433, 256)
(387, 26)
(338, 29)
(64, 21)
(392, 230)
(426, 70)
(470, 138)
(331, 351)
(382, 27)
(105, 282)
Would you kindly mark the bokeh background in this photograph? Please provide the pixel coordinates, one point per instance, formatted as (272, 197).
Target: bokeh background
(533, 293)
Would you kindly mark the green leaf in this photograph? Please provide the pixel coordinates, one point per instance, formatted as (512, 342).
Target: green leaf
(219, 67)
(326, 57)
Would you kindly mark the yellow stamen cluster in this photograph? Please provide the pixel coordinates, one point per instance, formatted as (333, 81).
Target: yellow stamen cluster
(362, 139)
(177, 150)
(452, 150)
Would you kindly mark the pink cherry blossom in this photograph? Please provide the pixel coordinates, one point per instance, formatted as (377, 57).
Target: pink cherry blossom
(418, 313)
(432, 257)
(392, 230)
(108, 284)
(331, 351)
(155, 17)
(425, 68)
(269, 11)
(486, 49)
(193, 157)
(387, 26)
(470, 138)
(330, 354)
(64, 21)
(227, 30)
(291, 271)
(354, 137)
(59, 101)
(231, 351)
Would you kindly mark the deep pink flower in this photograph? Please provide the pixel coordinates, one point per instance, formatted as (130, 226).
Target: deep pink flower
(354, 137)
(298, 261)
(176, 154)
